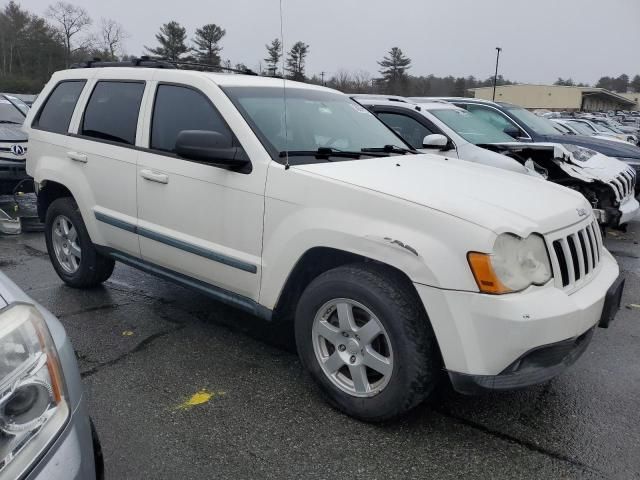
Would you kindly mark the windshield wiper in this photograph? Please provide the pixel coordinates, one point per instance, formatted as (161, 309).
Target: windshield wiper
(326, 152)
(10, 122)
(389, 149)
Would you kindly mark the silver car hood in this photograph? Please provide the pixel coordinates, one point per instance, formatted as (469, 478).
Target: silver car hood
(12, 133)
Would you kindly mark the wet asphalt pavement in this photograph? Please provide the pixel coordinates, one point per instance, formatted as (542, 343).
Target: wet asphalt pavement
(146, 346)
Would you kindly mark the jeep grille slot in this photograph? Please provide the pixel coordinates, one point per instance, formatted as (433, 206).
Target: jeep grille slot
(624, 184)
(576, 255)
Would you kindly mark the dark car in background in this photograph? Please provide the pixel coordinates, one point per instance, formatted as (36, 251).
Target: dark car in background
(527, 126)
(13, 142)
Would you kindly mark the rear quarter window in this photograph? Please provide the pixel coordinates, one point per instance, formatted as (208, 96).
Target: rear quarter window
(55, 114)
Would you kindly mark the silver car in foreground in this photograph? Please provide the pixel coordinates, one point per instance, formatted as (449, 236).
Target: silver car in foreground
(45, 430)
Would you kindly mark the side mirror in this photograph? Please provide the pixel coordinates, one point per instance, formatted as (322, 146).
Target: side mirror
(211, 147)
(435, 141)
(512, 131)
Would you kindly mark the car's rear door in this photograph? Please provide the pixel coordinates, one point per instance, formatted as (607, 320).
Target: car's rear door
(102, 150)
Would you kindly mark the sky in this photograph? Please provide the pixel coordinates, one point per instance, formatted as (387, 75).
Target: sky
(541, 39)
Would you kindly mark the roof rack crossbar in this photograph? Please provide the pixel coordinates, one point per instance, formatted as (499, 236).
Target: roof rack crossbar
(152, 62)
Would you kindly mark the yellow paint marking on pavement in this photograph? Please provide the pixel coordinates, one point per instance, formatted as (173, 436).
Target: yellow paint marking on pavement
(127, 333)
(633, 305)
(199, 398)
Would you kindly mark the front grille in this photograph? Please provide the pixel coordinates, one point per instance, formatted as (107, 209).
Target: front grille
(624, 184)
(575, 254)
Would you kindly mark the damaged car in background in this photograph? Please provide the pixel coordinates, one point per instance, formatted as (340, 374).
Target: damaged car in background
(440, 127)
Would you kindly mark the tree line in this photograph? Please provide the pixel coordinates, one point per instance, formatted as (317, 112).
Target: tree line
(33, 47)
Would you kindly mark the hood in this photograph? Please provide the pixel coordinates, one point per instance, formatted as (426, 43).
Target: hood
(611, 148)
(12, 133)
(492, 198)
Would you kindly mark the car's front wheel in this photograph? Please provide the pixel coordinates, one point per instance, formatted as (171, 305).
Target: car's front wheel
(366, 340)
(73, 254)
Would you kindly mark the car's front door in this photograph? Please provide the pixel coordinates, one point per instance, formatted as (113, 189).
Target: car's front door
(197, 219)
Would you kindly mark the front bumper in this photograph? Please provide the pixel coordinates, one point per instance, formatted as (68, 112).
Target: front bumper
(486, 335)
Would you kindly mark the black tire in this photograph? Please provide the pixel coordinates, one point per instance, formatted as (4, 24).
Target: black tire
(391, 297)
(93, 268)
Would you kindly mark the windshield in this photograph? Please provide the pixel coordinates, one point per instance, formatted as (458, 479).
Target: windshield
(9, 113)
(608, 127)
(581, 128)
(562, 128)
(315, 119)
(541, 126)
(470, 127)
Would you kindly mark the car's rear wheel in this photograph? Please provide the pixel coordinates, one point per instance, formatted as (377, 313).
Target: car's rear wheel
(366, 340)
(73, 255)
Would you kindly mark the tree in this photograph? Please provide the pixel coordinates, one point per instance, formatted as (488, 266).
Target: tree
(72, 20)
(394, 68)
(112, 36)
(296, 60)
(566, 83)
(274, 54)
(172, 37)
(207, 41)
(635, 84)
(621, 84)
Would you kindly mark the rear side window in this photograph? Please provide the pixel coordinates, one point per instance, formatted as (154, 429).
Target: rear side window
(112, 112)
(179, 108)
(55, 114)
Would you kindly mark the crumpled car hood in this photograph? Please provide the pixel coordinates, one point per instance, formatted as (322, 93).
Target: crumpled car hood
(493, 198)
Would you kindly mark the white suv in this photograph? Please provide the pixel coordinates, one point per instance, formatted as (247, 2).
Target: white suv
(392, 267)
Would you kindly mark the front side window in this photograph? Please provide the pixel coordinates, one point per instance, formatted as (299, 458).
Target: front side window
(112, 112)
(314, 119)
(408, 128)
(179, 108)
(56, 113)
(470, 127)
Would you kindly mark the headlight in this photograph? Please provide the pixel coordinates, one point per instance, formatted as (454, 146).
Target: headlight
(33, 406)
(581, 154)
(515, 264)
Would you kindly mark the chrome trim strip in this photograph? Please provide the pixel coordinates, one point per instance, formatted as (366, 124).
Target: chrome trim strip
(179, 244)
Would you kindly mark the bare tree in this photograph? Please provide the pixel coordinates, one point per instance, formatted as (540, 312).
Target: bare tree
(112, 37)
(72, 20)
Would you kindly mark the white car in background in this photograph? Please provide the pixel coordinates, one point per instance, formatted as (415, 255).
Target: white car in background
(601, 130)
(571, 126)
(442, 128)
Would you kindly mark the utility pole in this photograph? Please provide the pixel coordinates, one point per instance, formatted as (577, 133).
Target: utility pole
(495, 77)
(322, 77)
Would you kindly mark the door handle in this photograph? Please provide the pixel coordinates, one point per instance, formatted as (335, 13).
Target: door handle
(77, 157)
(154, 176)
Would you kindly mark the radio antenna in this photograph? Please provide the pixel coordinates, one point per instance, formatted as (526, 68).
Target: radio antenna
(284, 93)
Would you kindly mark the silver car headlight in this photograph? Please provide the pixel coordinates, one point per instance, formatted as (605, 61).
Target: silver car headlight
(33, 400)
(515, 264)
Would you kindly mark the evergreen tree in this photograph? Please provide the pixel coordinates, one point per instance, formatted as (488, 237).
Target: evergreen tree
(207, 41)
(635, 84)
(296, 60)
(274, 53)
(172, 37)
(394, 70)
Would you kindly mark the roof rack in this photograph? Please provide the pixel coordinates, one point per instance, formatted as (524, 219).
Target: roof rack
(150, 62)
